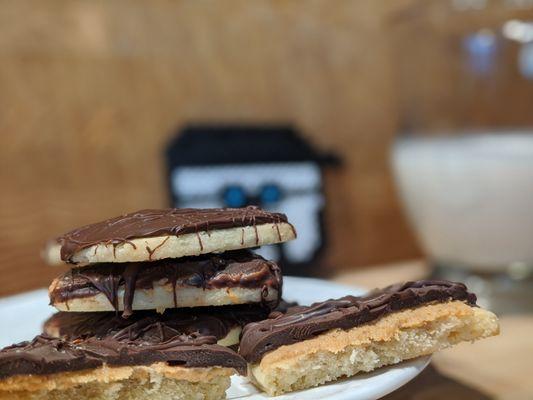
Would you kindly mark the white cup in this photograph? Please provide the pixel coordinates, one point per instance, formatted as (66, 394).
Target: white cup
(469, 197)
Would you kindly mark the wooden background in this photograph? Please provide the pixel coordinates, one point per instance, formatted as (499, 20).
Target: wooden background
(90, 92)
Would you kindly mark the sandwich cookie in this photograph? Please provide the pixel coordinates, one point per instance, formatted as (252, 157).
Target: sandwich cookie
(238, 277)
(143, 367)
(309, 346)
(149, 235)
(224, 323)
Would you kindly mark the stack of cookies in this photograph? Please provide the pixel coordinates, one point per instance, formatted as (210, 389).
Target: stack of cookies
(153, 306)
(168, 304)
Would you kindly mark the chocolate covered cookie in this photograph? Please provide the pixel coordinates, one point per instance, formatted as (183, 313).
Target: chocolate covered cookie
(149, 235)
(223, 323)
(341, 337)
(142, 367)
(237, 277)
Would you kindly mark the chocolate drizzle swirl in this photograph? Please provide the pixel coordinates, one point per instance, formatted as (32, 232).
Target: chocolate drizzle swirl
(305, 322)
(172, 221)
(152, 326)
(213, 271)
(46, 355)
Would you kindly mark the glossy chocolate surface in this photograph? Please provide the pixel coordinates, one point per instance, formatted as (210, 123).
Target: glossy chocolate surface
(46, 355)
(172, 221)
(305, 322)
(152, 326)
(232, 269)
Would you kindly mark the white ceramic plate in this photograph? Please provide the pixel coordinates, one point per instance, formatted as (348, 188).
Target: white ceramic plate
(23, 315)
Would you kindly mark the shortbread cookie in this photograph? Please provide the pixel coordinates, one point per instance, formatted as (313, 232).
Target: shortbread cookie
(182, 368)
(308, 346)
(157, 381)
(237, 277)
(171, 233)
(224, 323)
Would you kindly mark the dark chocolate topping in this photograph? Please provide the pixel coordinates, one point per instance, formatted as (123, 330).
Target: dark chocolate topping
(152, 326)
(301, 322)
(212, 271)
(47, 355)
(172, 221)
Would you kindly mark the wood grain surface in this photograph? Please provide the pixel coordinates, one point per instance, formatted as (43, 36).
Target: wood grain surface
(92, 90)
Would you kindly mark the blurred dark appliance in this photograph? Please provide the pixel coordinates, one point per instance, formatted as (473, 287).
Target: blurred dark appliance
(269, 166)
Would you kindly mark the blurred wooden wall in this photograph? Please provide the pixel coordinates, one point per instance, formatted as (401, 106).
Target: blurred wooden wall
(90, 92)
(434, 87)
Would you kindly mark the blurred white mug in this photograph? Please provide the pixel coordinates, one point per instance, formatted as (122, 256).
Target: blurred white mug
(470, 197)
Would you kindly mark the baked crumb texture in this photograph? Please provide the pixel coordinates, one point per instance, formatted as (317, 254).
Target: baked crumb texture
(396, 337)
(154, 382)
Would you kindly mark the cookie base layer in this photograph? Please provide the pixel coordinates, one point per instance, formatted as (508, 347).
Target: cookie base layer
(191, 244)
(155, 382)
(162, 297)
(400, 336)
